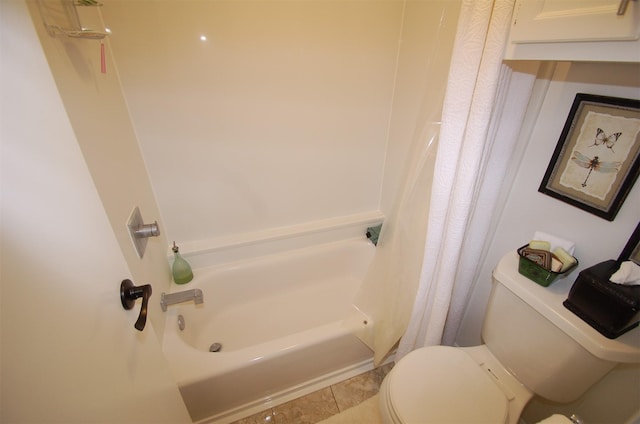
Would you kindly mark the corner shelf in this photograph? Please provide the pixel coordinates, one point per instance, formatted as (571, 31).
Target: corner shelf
(85, 33)
(67, 10)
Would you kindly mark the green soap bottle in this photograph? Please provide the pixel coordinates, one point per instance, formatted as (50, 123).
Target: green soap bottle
(181, 269)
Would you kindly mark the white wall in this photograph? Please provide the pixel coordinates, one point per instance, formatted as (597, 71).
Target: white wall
(527, 210)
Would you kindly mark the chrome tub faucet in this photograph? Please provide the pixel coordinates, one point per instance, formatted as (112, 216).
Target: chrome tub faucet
(179, 297)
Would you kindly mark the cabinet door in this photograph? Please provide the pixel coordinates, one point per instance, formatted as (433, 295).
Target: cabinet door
(550, 21)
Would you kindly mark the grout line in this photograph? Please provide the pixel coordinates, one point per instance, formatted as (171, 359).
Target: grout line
(335, 400)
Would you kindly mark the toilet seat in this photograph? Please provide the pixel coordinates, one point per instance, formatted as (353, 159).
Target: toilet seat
(442, 385)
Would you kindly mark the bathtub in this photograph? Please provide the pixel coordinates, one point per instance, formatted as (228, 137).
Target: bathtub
(279, 319)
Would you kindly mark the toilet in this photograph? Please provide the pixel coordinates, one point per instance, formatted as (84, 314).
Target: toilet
(532, 346)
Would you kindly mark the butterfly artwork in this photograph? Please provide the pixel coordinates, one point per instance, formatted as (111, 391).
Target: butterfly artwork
(594, 164)
(602, 139)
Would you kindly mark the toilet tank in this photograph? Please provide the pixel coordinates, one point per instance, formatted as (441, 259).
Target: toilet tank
(551, 351)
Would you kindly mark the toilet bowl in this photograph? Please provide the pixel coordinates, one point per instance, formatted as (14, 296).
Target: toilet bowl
(453, 385)
(532, 346)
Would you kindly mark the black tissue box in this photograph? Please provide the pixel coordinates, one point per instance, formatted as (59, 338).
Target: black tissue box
(612, 309)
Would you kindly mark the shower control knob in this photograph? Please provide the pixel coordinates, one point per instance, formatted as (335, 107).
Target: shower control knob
(147, 230)
(128, 295)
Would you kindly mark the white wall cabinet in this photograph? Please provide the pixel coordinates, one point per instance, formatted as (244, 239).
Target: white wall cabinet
(583, 30)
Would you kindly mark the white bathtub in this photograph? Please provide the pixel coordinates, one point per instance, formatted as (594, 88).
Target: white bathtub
(279, 319)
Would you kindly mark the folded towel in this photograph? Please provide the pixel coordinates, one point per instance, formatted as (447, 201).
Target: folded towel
(556, 242)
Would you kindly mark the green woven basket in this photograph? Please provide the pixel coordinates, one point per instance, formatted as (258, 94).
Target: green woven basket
(538, 274)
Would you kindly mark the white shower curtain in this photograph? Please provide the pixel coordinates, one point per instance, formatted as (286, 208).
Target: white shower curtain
(422, 285)
(483, 111)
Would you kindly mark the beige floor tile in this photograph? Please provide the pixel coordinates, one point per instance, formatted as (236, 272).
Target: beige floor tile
(353, 391)
(341, 400)
(309, 409)
(365, 413)
(264, 417)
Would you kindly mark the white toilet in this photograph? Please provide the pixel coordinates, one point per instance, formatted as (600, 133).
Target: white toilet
(533, 345)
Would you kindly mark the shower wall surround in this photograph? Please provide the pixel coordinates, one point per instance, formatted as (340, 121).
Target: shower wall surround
(279, 117)
(255, 115)
(295, 114)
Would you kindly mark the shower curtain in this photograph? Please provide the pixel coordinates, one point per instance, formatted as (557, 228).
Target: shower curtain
(419, 296)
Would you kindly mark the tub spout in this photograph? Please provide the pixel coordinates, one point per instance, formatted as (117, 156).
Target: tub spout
(179, 297)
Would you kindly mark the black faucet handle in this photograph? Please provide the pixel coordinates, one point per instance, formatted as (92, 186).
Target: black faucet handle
(128, 295)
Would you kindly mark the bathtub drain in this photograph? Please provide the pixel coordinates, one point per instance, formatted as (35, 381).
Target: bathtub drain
(215, 347)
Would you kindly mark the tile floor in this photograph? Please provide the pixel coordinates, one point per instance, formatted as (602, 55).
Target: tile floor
(328, 403)
(367, 412)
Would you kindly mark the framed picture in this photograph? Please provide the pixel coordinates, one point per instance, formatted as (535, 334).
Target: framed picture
(631, 251)
(597, 158)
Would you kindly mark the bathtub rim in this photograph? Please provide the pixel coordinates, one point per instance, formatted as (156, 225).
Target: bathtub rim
(188, 371)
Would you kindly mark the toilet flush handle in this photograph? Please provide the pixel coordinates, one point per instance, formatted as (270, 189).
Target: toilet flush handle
(128, 295)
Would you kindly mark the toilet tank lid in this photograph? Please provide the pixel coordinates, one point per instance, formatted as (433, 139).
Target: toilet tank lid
(548, 302)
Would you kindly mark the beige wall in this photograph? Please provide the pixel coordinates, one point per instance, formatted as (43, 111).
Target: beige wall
(69, 352)
(100, 119)
(288, 114)
(279, 118)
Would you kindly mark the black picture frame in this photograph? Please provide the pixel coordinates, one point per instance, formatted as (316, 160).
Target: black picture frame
(631, 251)
(597, 158)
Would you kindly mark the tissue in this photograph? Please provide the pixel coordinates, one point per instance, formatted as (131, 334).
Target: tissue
(628, 273)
